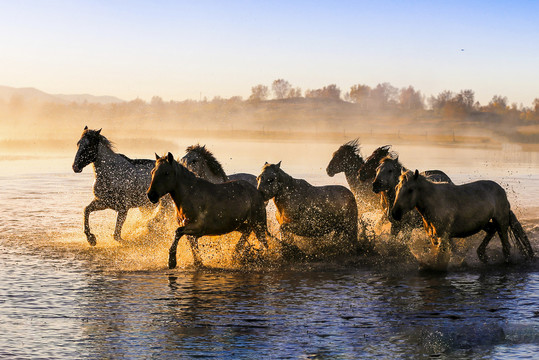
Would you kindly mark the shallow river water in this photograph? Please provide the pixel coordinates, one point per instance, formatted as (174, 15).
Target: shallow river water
(59, 298)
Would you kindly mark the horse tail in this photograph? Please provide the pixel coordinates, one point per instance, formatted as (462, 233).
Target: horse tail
(519, 236)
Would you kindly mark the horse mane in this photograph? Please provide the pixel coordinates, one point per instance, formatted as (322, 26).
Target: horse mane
(95, 134)
(352, 146)
(213, 164)
(391, 157)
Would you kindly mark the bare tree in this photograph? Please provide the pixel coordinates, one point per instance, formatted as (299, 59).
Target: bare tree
(259, 93)
(281, 88)
(360, 94)
(411, 99)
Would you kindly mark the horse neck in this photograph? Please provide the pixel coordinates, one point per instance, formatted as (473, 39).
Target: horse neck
(289, 184)
(427, 200)
(183, 186)
(351, 172)
(215, 178)
(107, 160)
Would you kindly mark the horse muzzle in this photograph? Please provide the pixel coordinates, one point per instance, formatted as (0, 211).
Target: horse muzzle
(76, 168)
(376, 187)
(330, 173)
(153, 197)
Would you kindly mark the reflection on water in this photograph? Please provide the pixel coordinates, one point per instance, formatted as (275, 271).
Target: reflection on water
(59, 298)
(59, 308)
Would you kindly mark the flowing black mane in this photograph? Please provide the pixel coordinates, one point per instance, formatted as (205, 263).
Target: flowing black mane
(213, 164)
(352, 146)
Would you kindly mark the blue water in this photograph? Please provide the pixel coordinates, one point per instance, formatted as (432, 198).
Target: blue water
(59, 298)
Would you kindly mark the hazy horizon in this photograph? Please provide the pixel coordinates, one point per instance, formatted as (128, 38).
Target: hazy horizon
(189, 50)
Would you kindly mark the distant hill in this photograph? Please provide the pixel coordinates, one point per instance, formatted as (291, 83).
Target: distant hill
(35, 95)
(81, 98)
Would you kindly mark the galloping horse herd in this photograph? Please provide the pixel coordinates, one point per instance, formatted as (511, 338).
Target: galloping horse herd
(210, 202)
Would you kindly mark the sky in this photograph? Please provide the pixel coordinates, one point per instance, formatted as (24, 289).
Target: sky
(194, 49)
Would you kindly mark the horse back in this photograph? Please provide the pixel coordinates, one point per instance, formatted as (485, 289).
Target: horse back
(250, 178)
(437, 176)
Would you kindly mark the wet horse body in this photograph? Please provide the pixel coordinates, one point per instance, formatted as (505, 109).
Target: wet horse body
(204, 208)
(450, 210)
(120, 182)
(307, 210)
(203, 163)
(358, 172)
(385, 183)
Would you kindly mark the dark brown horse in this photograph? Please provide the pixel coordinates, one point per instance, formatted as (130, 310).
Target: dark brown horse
(307, 210)
(204, 208)
(359, 173)
(450, 210)
(385, 183)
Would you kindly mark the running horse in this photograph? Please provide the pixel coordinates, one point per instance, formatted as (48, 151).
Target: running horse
(203, 163)
(310, 211)
(386, 181)
(450, 210)
(204, 208)
(120, 182)
(359, 173)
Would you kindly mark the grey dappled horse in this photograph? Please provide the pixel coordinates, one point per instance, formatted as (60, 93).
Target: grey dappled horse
(120, 182)
(204, 208)
(385, 182)
(307, 210)
(450, 210)
(203, 163)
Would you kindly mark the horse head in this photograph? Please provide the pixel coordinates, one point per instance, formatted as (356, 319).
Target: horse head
(87, 148)
(163, 177)
(202, 163)
(270, 180)
(387, 174)
(407, 194)
(368, 169)
(345, 158)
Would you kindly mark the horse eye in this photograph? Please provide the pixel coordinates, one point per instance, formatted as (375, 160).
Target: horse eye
(390, 171)
(194, 161)
(167, 173)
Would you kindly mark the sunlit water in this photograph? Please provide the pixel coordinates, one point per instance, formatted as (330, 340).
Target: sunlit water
(59, 298)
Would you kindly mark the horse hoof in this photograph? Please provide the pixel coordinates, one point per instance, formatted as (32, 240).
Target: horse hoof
(118, 239)
(91, 239)
(172, 264)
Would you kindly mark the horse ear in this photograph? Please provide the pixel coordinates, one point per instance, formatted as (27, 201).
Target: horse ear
(416, 174)
(157, 156)
(99, 131)
(86, 127)
(266, 163)
(279, 164)
(170, 157)
(403, 171)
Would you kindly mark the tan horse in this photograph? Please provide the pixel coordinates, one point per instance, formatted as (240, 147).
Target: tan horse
(307, 210)
(204, 208)
(450, 210)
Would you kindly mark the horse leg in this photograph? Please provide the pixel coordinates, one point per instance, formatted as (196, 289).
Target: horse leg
(288, 250)
(240, 246)
(506, 246)
(491, 231)
(172, 250)
(120, 219)
(95, 205)
(193, 241)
